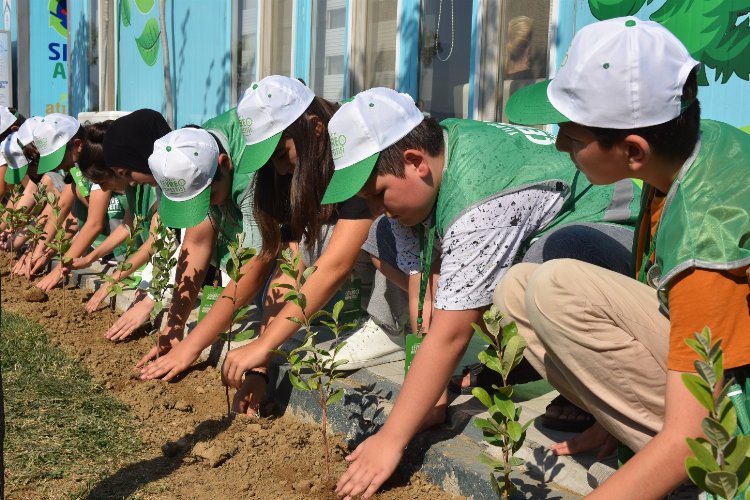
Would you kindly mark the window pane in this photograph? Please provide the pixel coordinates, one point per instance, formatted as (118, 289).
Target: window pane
(380, 45)
(445, 47)
(248, 50)
(281, 37)
(525, 26)
(328, 48)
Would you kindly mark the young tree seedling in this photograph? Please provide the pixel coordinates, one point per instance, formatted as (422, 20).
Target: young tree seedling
(60, 243)
(35, 227)
(312, 368)
(163, 259)
(117, 286)
(15, 219)
(238, 257)
(720, 464)
(503, 427)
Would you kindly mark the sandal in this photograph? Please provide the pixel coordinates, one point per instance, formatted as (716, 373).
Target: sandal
(580, 421)
(481, 376)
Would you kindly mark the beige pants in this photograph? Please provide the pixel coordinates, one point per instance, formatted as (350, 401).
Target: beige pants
(598, 337)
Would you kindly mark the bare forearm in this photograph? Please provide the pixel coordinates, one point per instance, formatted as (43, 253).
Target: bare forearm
(117, 236)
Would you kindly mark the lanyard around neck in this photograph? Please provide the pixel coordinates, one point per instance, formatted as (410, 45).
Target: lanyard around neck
(425, 260)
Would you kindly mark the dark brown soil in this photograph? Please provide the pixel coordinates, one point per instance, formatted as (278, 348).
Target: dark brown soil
(190, 449)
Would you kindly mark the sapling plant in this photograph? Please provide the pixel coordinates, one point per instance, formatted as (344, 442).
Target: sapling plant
(720, 464)
(60, 242)
(36, 224)
(503, 427)
(239, 256)
(117, 285)
(313, 368)
(163, 259)
(15, 219)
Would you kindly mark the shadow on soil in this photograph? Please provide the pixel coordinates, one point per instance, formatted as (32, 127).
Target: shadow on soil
(129, 479)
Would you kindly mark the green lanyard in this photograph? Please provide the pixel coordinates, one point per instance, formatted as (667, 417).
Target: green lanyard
(425, 260)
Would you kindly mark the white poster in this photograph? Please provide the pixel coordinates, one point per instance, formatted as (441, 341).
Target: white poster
(6, 64)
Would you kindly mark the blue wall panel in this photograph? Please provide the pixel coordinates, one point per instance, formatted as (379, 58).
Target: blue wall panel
(78, 24)
(199, 56)
(48, 58)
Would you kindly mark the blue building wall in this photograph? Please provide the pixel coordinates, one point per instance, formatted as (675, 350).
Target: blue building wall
(48, 58)
(198, 34)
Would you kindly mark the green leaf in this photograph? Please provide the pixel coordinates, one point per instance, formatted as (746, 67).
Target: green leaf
(307, 272)
(706, 372)
(722, 483)
(716, 434)
(482, 396)
(144, 5)
(290, 295)
(495, 486)
(702, 451)
(485, 424)
(488, 460)
(489, 361)
(506, 407)
(515, 431)
(513, 354)
(736, 452)
(337, 307)
(699, 389)
(286, 286)
(148, 42)
(335, 397)
(297, 382)
(245, 335)
(479, 331)
(124, 15)
(516, 461)
(728, 416)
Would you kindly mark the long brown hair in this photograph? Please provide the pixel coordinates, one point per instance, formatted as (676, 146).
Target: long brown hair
(294, 200)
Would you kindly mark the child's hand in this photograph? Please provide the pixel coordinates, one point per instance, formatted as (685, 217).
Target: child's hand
(22, 266)
(170, 365)
(80, 263)
(371, 464)
(137, 315)
(52, 279)
(96, 299)
(39, 264)
(167, 340)
(245, 358)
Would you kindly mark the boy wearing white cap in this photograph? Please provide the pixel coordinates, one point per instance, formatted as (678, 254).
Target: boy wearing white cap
(626, 102)
(204, 192)
(485, 191)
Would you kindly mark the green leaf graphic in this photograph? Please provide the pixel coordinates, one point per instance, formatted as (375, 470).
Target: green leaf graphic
(148, 42)
(125, 12)
(144, 5)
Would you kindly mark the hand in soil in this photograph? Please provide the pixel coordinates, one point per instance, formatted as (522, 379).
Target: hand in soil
(22, 266)
(39, 264)
(166, 342)
(595, 437)
(171, 364)
(80, 263)
(371, 464)
(137, 315)
(96, 299)
(52, 279)
(248, 398)
(238, 361)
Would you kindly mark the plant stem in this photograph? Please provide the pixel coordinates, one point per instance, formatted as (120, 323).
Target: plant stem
(324, 409)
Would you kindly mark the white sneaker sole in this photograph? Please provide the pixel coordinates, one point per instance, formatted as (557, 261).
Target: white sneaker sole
(366, 363)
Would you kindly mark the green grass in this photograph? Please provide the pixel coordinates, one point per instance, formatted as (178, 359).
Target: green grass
(59, 424)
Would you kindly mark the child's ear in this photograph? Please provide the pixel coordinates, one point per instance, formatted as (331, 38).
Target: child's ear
(318, 126)
(225, 162)
(638, 152)
(417, 159)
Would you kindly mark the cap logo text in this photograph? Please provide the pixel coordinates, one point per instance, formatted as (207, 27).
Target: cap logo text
(173, 186)
(247, 126)
(337, 145)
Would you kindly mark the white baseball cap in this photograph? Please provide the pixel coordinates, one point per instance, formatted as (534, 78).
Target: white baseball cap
(622, 73)
(7, 118)
(26, 130)
(17, 162)
(362, 128)
(184, 163)
(267, 108)
(51, 137)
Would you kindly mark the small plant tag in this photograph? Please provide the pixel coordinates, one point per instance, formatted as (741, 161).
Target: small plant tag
(210, 295)
(413, 341)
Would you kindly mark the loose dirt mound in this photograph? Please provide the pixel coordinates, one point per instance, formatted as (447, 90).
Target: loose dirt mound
(191, 450)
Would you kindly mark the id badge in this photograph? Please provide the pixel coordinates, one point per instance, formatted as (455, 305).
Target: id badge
(210, 295)
(412, 344)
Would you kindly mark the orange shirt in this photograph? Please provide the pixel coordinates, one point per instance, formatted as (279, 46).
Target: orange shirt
(700, 298)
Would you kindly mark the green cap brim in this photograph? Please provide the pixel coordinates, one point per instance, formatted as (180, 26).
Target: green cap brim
(15, 175)
(348, 181)
(256, 155)
(51, 161)
(530, 106)
(185, 214)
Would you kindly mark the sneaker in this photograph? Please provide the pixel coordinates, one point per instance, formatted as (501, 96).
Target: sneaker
(369, 345)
